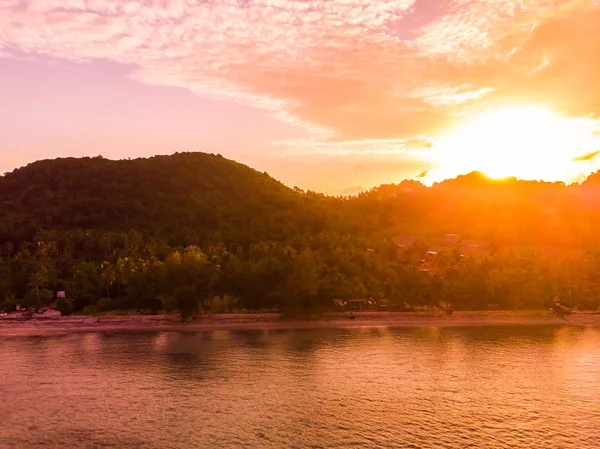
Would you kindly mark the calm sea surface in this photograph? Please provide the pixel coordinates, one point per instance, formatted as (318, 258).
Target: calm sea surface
(494, 387)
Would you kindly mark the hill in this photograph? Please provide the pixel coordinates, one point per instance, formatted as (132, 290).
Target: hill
(194, 198)
(186, 197)
(172, 232)
(508, 212)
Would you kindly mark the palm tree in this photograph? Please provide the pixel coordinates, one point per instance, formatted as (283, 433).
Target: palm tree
(37, 280)
(108, 275)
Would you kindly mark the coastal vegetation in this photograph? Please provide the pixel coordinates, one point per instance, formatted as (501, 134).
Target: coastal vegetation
(197, 231)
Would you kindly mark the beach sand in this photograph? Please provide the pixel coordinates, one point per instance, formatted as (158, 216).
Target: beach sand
(266, 321)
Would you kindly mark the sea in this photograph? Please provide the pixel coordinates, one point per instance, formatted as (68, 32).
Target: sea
(372, 387)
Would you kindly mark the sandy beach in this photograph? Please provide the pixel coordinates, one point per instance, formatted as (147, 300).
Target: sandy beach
(266, 321)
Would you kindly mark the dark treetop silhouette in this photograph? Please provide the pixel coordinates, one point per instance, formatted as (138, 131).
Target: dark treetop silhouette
(175, 232)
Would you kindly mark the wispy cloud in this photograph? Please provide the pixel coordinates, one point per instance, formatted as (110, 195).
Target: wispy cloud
(341, 68)
(305, 147)
(586, 157)
(450, 95)
(354, 190)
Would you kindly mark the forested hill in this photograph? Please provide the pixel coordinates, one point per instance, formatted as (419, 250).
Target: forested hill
(506, 212)
(183, 198)
(177, 231)
(195, 198)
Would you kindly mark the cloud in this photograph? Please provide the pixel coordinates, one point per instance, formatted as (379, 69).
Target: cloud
(354, 190)
(557, 62)
(422, 174)
(337, 147)
(586, 157)
(305, 147)
(450, 95)
(343, 69)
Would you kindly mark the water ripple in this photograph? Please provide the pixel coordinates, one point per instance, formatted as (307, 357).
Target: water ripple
(423, 388)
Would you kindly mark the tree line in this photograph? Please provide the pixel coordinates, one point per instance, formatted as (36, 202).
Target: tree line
(196, 231)
(111, 272)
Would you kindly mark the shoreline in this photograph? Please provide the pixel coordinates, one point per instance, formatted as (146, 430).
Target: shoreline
(273, 321)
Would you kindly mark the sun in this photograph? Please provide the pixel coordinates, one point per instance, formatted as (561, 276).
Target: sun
(527, 142)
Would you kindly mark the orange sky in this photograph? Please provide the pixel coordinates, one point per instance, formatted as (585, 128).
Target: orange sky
(334, 95)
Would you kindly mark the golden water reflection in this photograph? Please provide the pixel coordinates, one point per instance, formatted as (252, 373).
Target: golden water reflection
(430, 387)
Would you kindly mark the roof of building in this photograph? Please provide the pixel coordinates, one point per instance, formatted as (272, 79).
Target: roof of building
(448, 239)
(475, 243)
(435, 249)
(406, 241)
(473, 251)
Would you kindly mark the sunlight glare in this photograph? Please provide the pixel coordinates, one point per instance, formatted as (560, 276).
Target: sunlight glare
(527, 142)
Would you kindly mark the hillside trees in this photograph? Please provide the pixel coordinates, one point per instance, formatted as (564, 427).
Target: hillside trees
(173, 232)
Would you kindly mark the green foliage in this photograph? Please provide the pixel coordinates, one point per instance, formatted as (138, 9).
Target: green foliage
(186, 301)
(106, 305)
(89, 311)
(38, 297)
(194, 232)
(181, 198)
(302, 284)
(8, 301)
(190, 278)
(64, 306)
(168, 303)
(225, 303)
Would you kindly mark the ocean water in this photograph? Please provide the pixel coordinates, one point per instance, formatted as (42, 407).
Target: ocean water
(488, 387)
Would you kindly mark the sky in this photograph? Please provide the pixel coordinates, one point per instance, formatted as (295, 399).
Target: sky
(329, 95)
